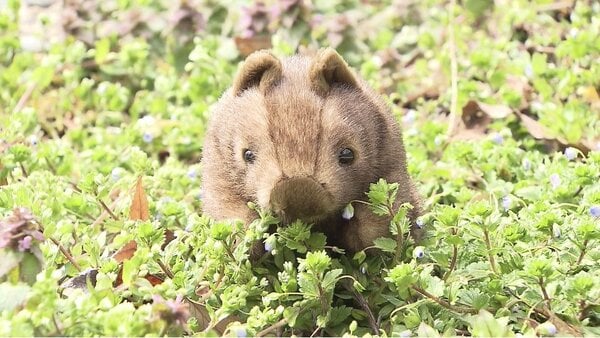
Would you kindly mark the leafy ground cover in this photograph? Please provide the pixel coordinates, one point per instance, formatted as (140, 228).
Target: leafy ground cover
(101, 230)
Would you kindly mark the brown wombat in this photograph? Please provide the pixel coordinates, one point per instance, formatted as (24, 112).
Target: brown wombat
(304, 136)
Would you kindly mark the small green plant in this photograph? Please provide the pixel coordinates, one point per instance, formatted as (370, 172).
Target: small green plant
(101, 225)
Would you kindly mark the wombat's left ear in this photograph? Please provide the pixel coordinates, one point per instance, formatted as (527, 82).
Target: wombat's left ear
(328, 69)
(260, 69)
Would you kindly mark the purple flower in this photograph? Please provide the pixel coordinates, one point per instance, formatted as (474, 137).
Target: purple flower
(172, 310)
(147, 137)
(570, 153)
(19, 230)
(506, 202)
(526, 164)
(25, 243)
(497, 138)
(555, 181)
(595, 211)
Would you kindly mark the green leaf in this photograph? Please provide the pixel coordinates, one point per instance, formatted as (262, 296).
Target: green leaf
(385, 244)
(10, 260)
(13, 295)
(485, 325)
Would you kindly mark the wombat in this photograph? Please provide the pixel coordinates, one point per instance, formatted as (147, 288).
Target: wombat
(304, 136)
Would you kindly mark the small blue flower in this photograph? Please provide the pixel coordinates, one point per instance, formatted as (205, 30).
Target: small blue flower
(419, 252)
(33, 140)
(116, 173)
(147, 137)
(268, 246)
(410, 116)
(526, 164)
(240, 332)
(506, 202)
(570, 153)
(420, 223)
(595, 211)
(546, 329)
(528, 71)
(556, 231)
(191, 173)
(555, 181)
(405, 334)
(363, 270)
(497, 138)
(348, 212)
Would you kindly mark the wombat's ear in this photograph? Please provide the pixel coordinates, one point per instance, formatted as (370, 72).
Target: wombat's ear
(260, 69)
(328, 69)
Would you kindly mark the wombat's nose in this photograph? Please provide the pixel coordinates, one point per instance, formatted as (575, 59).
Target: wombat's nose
(300, 198)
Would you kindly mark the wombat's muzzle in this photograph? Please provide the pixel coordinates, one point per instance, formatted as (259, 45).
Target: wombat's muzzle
(301, 198)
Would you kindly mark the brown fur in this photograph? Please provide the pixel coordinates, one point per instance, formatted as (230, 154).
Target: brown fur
(296, 114)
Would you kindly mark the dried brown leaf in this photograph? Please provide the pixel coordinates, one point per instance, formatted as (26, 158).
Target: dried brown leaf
(536, 129)
(126, 252)
(248, 45)
(139, 205)
(475, 119)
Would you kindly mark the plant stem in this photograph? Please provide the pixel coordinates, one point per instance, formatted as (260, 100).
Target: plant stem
(23, 169)
(585, 243)
(490, 254)
(66, 254)
(452, 262)
(453, 72)
(545, 293)
(364, 305)
(105, 207)
(24, 98)
(50, 165)
(444, 303)
(399, 244)
(273, 327)
(165, 268)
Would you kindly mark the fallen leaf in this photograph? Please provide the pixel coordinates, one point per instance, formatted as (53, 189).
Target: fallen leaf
(248, 45)
(475, 119)
(494, 111)
(139, 205)
(126, 252)
(80, 281)
(538, 131)
(199, 312)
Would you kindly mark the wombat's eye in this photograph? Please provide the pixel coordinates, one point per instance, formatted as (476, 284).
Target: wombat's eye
(249, 156)
(346, 156)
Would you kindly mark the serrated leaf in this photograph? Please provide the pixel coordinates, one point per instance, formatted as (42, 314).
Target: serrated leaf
(385, 244)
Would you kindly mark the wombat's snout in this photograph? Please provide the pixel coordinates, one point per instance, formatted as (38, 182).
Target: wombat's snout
(301, 198)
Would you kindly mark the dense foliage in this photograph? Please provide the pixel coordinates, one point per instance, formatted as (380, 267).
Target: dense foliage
(501, 115)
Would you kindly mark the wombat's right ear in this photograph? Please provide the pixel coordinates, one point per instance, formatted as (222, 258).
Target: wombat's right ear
(260, 69)
(329, 68)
